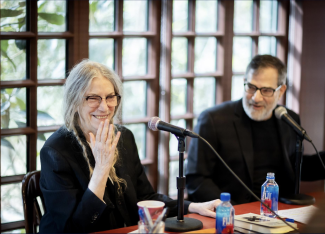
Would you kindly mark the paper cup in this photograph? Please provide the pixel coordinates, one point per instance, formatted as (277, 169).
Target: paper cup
(155, 207)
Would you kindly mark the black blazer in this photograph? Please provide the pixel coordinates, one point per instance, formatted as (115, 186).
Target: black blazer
(227, 128)
(71, 206)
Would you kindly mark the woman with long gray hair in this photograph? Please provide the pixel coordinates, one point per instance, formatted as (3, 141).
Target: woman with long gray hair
(91, 179)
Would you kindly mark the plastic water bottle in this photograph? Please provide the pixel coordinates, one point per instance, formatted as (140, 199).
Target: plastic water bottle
(225, 215)
(269, 195)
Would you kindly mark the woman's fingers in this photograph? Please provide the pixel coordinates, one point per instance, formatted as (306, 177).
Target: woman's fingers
(117, 137)
(105, 131)
(112, 148)
(110, 136)
(104, 151)
(92, 139)
(99, 132)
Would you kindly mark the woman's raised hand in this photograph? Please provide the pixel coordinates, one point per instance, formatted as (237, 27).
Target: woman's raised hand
(103, 146)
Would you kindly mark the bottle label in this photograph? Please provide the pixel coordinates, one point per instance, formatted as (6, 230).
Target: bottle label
(225, 225)
(270, 198)
(268, 202)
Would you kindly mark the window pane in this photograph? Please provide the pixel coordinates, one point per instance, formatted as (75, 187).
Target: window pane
(194, 122)
(16, 231)
(178, 96)
(180, 16)
(41, 138)
(13, 59)
(267, 45)
(135, 15)
(268, 16)
(206, 17)
(13, 16)
(52, 16)
(49, 105)
(134, 56)
(13, 155)
(173, 173)
(134, 99)
(51, 59)
(179, 55)
(11, 203)
(13, 108)
(101, 16)
(102, 51)
(242, 53)
(243, 16)
(173, 142)
(205, 54)
(139, 132)
(204, 94)
(237, 87)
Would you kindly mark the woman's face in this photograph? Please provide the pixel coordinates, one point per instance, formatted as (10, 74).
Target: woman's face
(90, 117)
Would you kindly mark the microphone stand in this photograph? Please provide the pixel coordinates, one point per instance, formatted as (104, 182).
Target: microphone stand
(181, 224)
(298, 198)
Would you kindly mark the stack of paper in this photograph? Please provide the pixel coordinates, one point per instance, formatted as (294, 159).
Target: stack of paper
(262, 224)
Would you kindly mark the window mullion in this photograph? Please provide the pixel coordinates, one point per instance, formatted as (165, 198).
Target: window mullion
(31, 101)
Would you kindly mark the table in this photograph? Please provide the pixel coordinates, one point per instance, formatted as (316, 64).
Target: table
(209, 223)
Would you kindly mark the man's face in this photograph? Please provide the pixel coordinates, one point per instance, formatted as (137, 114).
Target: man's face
(257, 106)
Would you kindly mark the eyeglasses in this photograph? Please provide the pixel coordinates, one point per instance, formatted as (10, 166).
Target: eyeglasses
(267, 92)
(111, 100)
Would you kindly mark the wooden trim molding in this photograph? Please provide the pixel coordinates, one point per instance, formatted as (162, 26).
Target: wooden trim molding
(294, 56)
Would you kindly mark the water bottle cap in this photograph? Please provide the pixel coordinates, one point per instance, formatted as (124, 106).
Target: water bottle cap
(270, 175)
(225, 197)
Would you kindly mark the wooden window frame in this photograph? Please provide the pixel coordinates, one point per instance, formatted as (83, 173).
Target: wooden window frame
(73, 52)
(152, 35)
(224, 73)
(190, 75)
(158, 80)
(281, 35)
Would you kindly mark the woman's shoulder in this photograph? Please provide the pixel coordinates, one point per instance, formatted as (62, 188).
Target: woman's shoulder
(62, 139)
(126, 142)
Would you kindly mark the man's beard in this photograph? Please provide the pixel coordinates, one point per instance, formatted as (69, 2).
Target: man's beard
(257, 115)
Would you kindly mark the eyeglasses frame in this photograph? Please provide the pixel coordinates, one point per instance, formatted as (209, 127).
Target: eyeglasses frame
(101, 99)
(274, 90)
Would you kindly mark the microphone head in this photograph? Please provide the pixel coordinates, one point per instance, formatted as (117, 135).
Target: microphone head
(280, 111)
(152, 124)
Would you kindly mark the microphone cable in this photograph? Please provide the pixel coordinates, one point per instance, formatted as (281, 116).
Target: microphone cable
(318, 155)
(245, 186)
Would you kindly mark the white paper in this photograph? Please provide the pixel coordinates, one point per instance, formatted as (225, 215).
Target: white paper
(301, 215)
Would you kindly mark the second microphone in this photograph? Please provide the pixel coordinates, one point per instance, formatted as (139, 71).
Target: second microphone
(156, 124)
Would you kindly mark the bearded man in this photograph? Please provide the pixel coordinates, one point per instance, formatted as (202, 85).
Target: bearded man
(250, 140)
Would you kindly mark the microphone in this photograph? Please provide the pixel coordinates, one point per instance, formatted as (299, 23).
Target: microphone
(156, 124)
(281, 113)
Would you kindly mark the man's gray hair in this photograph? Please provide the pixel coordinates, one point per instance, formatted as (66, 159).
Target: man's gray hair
(264, 61)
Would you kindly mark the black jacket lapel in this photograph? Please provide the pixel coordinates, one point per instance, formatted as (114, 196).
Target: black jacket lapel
(244, 133)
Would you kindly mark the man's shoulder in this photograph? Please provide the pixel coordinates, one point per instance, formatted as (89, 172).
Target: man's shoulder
(222, 114)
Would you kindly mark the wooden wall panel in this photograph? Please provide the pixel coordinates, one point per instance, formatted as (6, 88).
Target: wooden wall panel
(312, 94)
